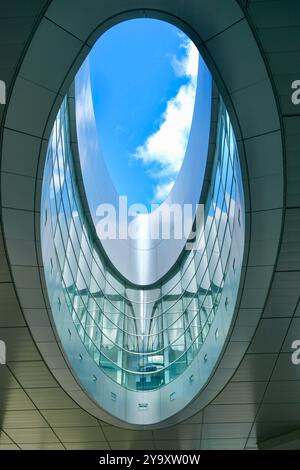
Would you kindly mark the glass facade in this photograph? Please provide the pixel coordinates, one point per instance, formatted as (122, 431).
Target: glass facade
(141, 338)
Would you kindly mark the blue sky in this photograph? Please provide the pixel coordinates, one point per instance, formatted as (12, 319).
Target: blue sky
(143, 77)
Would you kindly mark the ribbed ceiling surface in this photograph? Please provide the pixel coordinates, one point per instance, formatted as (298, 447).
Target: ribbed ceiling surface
(261, 400)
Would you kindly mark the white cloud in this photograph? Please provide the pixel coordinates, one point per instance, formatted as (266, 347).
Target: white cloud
(84, 100)
(161, 191)
(166, 147)
(187, 66)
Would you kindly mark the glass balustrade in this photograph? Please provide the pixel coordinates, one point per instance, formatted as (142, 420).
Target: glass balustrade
(141, 344)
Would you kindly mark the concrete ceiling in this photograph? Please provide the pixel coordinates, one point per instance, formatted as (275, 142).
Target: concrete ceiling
(259, 405)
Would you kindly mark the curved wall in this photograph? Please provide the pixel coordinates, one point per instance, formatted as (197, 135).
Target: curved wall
(150, 259)
(151, 346)
(41, 81)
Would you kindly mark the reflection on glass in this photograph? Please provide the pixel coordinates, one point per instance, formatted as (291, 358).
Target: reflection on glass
(142, 339)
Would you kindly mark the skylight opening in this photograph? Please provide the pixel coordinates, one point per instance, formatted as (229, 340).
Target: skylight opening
(143, 80)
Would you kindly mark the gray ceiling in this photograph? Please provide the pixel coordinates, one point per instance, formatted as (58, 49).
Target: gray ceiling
(261, 402)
